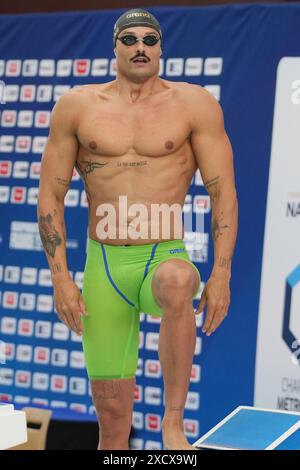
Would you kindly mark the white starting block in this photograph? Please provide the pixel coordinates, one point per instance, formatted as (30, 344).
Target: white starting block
(250, 428)
(13, 427)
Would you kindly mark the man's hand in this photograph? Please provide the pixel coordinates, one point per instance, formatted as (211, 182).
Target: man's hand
(69, 304)
(216, 295)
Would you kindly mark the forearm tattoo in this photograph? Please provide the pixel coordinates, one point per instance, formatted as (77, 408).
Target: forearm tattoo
(217, 229)
(224, 262)
(56, 268)
(213, 189)
(49, 235)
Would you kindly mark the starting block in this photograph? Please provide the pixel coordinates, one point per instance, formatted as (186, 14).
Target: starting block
(13, 427)
(250, 428)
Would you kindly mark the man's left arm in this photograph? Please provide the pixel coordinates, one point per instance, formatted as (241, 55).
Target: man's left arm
(213, 153)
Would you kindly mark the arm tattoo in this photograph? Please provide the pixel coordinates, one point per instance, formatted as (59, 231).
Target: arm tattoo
(62, 181)
(213, 189)
(216, 228)
(56, 268)
(49, 235)
(224, 262)
(211, 182)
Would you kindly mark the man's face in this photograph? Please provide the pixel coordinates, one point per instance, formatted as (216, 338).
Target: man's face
(127, 63)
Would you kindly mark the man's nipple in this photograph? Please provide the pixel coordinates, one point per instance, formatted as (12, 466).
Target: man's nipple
(92, 145)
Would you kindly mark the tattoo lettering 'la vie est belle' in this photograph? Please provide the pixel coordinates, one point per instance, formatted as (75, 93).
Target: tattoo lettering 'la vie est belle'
(130, 164)
(49, 235)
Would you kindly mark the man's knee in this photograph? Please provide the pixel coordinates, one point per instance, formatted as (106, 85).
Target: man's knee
(113, 399)
(173, 281)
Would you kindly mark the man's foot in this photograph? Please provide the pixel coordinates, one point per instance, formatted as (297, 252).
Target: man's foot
(174, 438)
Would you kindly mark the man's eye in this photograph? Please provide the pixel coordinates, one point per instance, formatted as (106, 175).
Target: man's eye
(129, 38)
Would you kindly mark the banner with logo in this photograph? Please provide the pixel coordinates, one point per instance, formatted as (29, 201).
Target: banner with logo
(234, 51)
(277, 383)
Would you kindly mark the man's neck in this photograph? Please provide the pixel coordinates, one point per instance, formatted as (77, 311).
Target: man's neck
(133, 92)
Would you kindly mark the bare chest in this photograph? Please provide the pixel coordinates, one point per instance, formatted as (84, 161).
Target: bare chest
(153, 129)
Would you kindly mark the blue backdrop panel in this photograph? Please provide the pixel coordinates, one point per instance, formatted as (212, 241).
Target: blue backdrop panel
(233, 50)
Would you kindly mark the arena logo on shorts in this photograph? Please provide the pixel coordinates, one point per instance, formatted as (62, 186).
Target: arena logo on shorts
(176, 250)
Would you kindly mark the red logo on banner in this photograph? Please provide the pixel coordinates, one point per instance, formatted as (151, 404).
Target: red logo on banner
(35, 169)
(5, 168)
(153, 367)
(23, 143)
(194, 373)
(137, 393)
(8, 117)
(81, 67)
(41, 355)
(5, 397)
(10, 299)
(190, 427)
(59, 383)
(18, 195)
(8, 350)
(23, 378)
(26, 327)
(202, 204)
(13, 68)
(28, 92)
(42, 118)
(152, 422)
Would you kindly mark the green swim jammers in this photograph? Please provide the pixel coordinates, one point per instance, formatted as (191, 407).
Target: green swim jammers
(116, 288)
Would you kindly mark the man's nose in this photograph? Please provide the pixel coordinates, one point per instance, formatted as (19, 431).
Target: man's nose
(140, 46)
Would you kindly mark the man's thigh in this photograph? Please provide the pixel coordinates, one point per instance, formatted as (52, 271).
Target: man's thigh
(111, 329)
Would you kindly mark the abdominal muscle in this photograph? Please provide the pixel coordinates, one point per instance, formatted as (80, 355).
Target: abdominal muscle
(138, 204)
(149, 224)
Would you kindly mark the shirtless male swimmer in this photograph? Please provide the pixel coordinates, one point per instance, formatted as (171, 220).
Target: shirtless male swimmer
(138, 138)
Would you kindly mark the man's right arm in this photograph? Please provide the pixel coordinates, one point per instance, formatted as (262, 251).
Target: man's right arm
(57, 165)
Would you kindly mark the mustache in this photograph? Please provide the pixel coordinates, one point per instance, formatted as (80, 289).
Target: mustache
(141, 55)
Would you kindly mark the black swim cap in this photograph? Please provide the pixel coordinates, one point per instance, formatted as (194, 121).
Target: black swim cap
(136, 17)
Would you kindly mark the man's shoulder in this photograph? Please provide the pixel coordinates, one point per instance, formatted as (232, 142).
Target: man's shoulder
(191, 94)
(90, 89)
(199, 105)
(74, 98)
(183, 87)
(79, 92)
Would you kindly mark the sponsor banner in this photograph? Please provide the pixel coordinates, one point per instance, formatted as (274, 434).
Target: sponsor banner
(277, 383)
